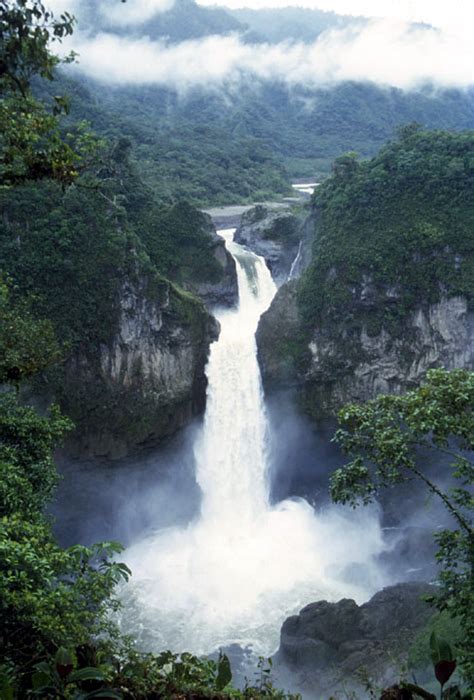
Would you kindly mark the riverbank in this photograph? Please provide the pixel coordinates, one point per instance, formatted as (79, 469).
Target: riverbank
(229, 216)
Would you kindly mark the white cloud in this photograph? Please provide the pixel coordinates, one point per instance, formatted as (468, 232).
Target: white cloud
(387, 52)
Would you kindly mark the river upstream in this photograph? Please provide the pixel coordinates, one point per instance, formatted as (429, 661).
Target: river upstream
(242, 565)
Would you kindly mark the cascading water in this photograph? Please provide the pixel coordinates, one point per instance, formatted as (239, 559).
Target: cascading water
(244, 566)
(296, 263)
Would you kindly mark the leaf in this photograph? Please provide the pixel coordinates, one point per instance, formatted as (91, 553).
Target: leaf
(224, 672)
(64, 662)
(40, 680)
(440, 649)
(111, 694)
(86, 674)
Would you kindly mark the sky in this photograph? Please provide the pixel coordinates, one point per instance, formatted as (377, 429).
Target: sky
(386, 50)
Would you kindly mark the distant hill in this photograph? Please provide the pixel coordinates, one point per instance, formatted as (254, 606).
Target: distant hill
(235, 141)
(297, 23)
(304, 129)
(185, 20)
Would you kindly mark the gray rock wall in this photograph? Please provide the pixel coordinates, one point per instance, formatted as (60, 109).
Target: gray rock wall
(148, 381)
(336, 368)
(225, 292)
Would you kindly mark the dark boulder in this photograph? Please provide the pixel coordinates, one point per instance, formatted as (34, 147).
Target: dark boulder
(330, 644)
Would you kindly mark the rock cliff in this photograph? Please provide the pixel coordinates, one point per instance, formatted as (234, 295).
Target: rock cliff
(148, 381)
(224, 291)
(335, 368)
(389, 291)
(329, 645)
(273, 234)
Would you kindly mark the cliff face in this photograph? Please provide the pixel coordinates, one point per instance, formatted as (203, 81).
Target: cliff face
(389, 291)
(148, 381)
(224, 290)
(273, 234)
(333, 369)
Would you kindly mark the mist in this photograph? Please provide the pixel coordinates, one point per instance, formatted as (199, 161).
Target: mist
(235, 572)
(134, 11)
(386, 52)
(229, 529)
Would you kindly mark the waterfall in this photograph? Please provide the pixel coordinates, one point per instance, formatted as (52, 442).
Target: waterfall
(295, 263)
(231, 454)
(237, 572)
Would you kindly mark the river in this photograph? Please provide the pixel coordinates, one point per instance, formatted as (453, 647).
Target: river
(243, 564)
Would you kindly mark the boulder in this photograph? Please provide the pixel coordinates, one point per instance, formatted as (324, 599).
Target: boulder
(330, 644)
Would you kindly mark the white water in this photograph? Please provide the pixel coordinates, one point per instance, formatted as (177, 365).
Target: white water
(296, 262)
(305, 187)
(244, 566)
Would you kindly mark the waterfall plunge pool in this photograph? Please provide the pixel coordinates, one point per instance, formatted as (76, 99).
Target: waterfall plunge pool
(243, 565)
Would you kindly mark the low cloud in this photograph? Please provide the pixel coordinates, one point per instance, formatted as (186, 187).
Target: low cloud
(385, 52)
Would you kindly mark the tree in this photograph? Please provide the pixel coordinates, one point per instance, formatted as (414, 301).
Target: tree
(27, 345)
(384, 437)
(33, 145)
(50, 597)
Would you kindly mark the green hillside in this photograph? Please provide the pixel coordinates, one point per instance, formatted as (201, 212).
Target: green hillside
(402, 221)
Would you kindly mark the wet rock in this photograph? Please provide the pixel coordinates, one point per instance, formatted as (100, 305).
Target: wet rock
(328, 644)
(275, 235)
(336, 369)
(148, 381)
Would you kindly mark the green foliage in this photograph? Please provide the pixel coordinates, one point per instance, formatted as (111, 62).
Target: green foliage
(26, 465)
(179, 241)
(50, 596)
(443, 625)
(26, 31)
(32, 146)
(89, 239)
(384, 438)
(27, 345)
(399, 227)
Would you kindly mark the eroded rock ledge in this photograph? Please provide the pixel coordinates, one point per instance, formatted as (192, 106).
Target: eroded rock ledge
(273, 234)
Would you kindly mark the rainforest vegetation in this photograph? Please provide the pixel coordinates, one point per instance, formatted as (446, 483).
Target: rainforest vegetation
(215, 147)
(81, 212)
(411, 203)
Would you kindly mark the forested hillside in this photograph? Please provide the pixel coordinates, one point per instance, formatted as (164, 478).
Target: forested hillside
(291, 23)
(218, 148)
(117, 255)
(390, 289)
(241, 138)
